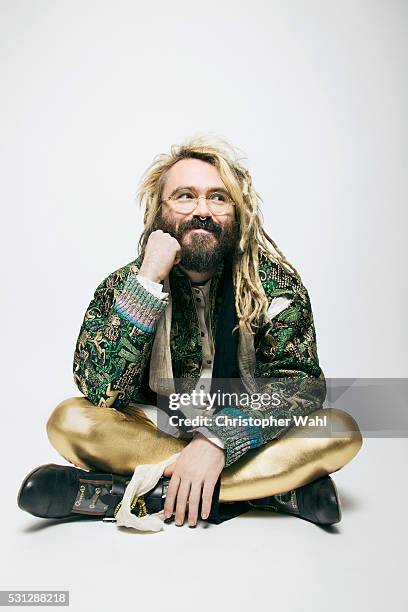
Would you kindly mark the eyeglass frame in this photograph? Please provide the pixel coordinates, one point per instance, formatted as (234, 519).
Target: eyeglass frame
(173, 199)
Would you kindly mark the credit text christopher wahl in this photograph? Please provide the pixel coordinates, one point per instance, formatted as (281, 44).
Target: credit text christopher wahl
(246, 421)
(257, 401)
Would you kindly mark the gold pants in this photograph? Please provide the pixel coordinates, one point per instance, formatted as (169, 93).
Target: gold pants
(104, 439)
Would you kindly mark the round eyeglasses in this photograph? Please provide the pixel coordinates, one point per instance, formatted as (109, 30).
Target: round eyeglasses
(186, 202)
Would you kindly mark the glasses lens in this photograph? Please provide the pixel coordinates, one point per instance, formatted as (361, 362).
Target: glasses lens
(184, 206)
(187, 205)
(218, 207)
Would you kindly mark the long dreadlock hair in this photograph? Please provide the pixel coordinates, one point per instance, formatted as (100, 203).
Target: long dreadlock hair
(250, 300)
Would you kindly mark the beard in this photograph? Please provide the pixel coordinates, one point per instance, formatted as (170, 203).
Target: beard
(202, 251)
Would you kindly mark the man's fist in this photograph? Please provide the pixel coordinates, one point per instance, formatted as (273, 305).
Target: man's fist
(161, 254)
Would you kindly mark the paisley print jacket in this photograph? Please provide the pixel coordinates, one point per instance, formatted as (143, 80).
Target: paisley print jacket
(114, 347)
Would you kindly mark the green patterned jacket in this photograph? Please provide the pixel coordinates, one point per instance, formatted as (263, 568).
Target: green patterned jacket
(115, 342)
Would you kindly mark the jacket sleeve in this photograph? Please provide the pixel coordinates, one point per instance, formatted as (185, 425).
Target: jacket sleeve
(116, 339)
(287, 370)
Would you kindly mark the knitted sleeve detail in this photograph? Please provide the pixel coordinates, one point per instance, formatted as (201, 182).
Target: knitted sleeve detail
(137, 305)
(237, 439)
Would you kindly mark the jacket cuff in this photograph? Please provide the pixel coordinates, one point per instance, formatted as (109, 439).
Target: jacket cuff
(152, 287)
(237, 439)
(137, 305)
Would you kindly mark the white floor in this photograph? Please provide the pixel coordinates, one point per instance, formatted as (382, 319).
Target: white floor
(259, 559)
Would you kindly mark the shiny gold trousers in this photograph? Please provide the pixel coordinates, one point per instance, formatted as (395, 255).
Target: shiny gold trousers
(104, 439)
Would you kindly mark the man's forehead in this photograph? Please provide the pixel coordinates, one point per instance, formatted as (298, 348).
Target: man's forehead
(195, 172)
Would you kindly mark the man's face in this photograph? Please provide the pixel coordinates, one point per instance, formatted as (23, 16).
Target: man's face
(205, 238)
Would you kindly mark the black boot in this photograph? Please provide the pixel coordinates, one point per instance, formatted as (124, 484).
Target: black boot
(57, 491)
(317, 502)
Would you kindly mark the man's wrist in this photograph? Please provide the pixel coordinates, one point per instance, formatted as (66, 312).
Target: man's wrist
(149, 273)
(205, 434)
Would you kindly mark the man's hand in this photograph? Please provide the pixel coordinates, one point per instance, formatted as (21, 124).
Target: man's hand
(162, 252)
(193, 476)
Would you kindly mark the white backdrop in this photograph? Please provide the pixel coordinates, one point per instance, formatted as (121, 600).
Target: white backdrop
(314, 92)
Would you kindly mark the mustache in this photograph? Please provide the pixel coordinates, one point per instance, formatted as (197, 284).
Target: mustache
(196, 223)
